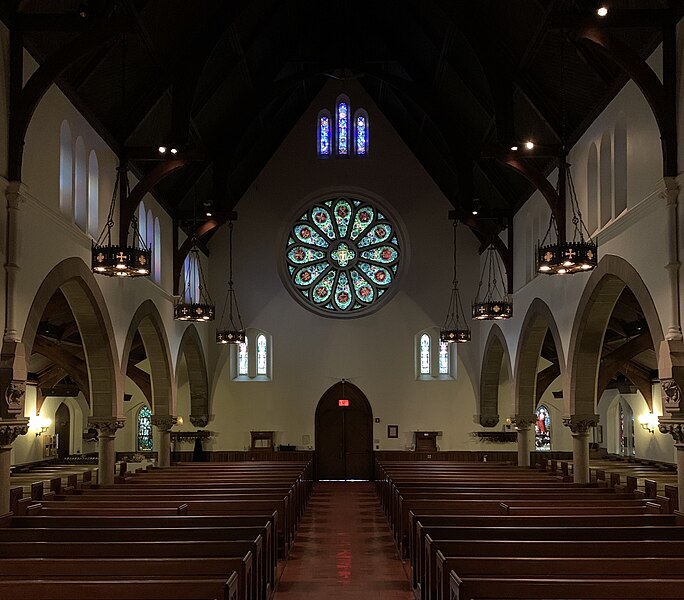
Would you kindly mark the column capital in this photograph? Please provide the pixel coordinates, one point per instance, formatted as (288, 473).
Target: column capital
(672, 395)
(199, 420)
(670, 190)
(16, 192)
(523, 422)
(580, 424)
(13, 402)
(10, 430)
(674, 428)
(164, 422)
(106, 426)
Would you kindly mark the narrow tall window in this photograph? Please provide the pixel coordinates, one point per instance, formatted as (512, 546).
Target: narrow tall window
(145, 428)
(191, 273)
(361, 133)
(262, 355)
(93, 194)
(623, 431)
(342, 126)
(80, 185)
(592, 189)
(243, 359)
(142, 223)
(66, 170)
(443, 358)
(324, 134)
(425, 354)
(542, 429)
(156, 251)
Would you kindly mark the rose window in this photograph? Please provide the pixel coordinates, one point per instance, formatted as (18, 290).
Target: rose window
(342, 256)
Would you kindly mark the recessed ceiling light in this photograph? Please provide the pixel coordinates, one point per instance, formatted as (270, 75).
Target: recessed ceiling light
(602, 11)
(514, 148)
(162, 149)
(529, 145)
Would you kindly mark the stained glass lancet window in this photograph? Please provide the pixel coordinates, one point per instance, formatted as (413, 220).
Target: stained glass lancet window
(262, 357)
(342, 256)
(361, 133)
(145, 428)
(342, 126)
(425, 354)
(542, 429)
(443, 358)
(243, 359)
(324, 134)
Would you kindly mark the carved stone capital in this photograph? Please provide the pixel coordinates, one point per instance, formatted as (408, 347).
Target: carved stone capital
(670, 190)
(13, 405)
(580, 424)
(11, 430)
(672, 395)
(674, 428)
(488, 420)
(15, 193)
(199, 420)
(106, 425)
(523, 422)
(164, 422)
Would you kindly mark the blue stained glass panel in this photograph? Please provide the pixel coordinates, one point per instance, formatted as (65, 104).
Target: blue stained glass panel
(324, 136)
(361, 135)
(343, 213)
(383, 254)
(305, 233)
(343, 129)
(343, 295)
(300, 255)
(363, 290)
(378, 234)
(307, 275)
(322, 219)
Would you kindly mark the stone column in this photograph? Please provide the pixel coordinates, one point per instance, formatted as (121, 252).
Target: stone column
(15, 194)
(106, 434)
(670, 195)
(164, 423)
(580, 426)
(523, 425)
(9, 431)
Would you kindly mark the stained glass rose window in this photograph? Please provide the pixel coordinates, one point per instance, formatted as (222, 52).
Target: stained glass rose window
(342, 256)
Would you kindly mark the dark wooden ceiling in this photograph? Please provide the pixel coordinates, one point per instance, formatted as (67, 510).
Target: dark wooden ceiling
(438, 69)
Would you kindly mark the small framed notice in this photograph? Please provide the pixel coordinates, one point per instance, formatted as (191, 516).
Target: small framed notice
(393, 431)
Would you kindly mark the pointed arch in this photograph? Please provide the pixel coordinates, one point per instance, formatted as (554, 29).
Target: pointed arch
(77, 282)
(191, 348)
(495, 354)
(537, 323)
(596, 305)
(148, 322)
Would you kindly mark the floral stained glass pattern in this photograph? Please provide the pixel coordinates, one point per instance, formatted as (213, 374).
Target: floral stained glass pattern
(343, 129)
(324, 131)
(145, 429)
(342, 256)
(361, 135)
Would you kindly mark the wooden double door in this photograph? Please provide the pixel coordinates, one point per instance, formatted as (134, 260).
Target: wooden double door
(344, 434)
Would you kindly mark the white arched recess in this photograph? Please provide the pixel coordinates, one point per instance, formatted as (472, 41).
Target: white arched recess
(596, 305)
(191, 349)
(148, 322)
(495, 356)
(77, 282)
(537, 323)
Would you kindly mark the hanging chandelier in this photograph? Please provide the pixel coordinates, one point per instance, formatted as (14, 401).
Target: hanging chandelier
(454, 328)
(194, 303)
(563, 257)
(114, 260)
(494, 303)
(232, 333)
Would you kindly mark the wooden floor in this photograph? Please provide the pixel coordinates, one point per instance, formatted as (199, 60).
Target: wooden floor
(344, 549)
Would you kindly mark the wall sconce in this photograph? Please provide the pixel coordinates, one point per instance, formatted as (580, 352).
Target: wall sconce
(179, 420)
(39, 424)
(649, 421)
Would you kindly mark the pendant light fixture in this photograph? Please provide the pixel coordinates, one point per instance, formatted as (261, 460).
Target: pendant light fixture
(233, 332)
(494, 303)
(580, 254)
(454, 328)
(114, 260)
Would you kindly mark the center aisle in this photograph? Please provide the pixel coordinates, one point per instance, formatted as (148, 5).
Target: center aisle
(344, 549)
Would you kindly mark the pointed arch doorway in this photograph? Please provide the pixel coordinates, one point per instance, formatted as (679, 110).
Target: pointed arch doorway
(344, 434)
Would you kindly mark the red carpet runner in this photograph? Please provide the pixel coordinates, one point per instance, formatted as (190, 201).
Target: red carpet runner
(344, 549)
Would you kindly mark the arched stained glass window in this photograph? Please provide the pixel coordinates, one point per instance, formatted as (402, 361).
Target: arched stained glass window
(443, 358)
(361, 133)
(145, 428)
(243, 359)
(342, 126)
(156, 261)
(425, 354)
(324, 134)
(142, 223)
(93, 194)
(542, 429)
(66, 170)
(191, 274)
(80, 185)
(262, 356)
(342, 256)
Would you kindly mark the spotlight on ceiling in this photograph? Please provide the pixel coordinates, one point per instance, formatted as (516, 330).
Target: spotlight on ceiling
(208, 214)
(529, 145)
(162, 149)
(514, 148)
(174, 151)
(602, 11)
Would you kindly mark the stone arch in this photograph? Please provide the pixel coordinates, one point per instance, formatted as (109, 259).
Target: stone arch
(595, 307)
(77, 282)
(495, 352)
(148, 322)
(537, 322)
(191, 349)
